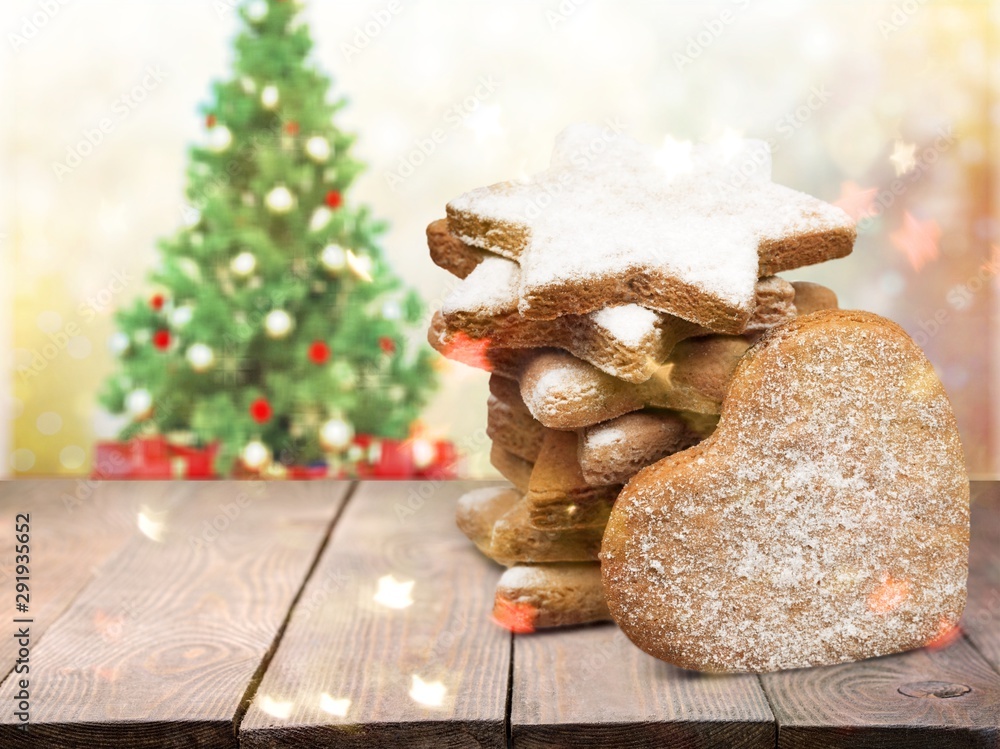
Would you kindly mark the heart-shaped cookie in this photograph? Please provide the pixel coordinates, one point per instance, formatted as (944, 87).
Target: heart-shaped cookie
(825, 520)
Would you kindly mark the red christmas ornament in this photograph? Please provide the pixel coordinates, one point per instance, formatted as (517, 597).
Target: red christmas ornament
(260, 410)
(387, 345)
(292, 128)
(333, 199)
(319, 352)
(161, 339)
(210, 121)
(156, 302)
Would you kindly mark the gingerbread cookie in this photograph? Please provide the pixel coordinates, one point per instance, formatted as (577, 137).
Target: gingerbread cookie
(812, 297)
(509, 423)
(825, 520)
(516, 470)
(563, 392)
(450, 252)
(498, 521)
(626, 341)
(549, 595)
(558, 496)
(614, 451)
(620, 226)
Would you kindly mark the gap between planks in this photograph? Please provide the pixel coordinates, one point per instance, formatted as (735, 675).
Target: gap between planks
(258, 675)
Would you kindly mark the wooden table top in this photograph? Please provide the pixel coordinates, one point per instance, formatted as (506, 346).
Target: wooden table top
(324, 614)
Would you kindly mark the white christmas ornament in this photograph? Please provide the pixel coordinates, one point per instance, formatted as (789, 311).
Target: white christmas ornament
(333, 258)
(269, 96)
(200, 357)
(320, 218)
(256, 455)
(336, 434)
(318, 149)
(278, 323)
(280, 200)
(118, 343)
(181, 316)
(248, 85)
(139, 403)
(243, 264)
(220, 138)
(257, 11)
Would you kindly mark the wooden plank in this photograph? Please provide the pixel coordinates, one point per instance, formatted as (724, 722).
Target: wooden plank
(354, 672)
(925, 698)
(160, 649)
(981, 621)
(74, 527)
(591, 687)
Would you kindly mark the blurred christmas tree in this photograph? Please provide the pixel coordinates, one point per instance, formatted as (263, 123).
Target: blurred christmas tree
(275, 327)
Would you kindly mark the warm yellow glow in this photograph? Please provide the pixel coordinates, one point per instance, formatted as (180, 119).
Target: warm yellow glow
(276, 708)
(360, 266)
(903, 158)
(427, 693)
(151, 524)
(334, 706)
(393, 593)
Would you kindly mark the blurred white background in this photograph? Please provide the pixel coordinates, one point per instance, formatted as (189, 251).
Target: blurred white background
(845, 91)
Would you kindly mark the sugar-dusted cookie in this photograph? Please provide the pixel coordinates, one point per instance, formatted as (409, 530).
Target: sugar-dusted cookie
(688, 236)
(613, 451)
(530, 597)
(626, 341)
(563, 392)
(825, 520)
(509, 423)
(450, 252)
(498, 522)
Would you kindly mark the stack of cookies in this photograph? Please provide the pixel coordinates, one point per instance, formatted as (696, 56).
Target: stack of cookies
(611, 298)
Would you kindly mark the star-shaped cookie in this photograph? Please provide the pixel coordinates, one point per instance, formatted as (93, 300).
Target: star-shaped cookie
(611, 222)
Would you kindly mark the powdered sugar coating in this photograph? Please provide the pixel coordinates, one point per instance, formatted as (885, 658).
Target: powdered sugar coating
(628, 323)
(609, 206)
(826, 520)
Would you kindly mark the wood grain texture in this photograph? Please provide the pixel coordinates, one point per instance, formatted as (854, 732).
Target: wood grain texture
(591, 687)
(981, 621)
(899, 701)
(75, 527)
(347, 666)
(159, 650)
